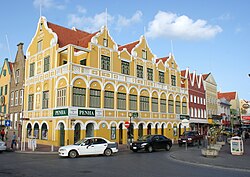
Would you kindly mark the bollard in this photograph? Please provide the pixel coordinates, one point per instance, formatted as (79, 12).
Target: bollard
(52, 148)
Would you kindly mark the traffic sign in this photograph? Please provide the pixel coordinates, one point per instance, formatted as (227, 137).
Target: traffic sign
(127, 124)
(7, 123)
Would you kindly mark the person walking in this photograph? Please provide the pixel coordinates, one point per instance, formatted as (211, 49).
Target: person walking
(13, 140)
(2, 134)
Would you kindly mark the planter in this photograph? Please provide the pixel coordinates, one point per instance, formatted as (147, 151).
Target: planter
(221, 143)
(215, 146)
(209, 152)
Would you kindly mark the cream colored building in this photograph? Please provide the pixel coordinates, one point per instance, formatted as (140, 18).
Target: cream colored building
(211, 95)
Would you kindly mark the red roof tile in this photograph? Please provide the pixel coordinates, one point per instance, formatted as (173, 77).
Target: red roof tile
(204, 76)
(129, 46)
(11, 66)
(68, 36)
(228, 95)
(183, 73)
(164, 59)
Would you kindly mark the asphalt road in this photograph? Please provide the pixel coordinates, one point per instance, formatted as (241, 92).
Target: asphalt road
(123, 164)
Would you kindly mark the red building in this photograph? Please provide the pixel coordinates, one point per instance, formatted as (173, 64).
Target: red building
(197, 101)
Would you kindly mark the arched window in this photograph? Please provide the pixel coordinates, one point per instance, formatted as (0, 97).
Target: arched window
(191, 112)
(29, 130)
(44, 132)
(36, 131)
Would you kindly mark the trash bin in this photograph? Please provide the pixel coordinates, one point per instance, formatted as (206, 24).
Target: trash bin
(237, 145)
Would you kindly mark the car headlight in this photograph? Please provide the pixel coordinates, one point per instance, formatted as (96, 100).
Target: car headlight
(144, 144)
(190, 139)
(62, 150)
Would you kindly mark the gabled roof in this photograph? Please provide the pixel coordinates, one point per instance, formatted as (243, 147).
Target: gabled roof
(163, 59)
(11, 66)
(84, 41)
(205, 76)
(69, 36)
(129, 46)
(228, 95)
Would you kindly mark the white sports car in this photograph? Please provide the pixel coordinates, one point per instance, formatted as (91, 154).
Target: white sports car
(89, 146)
(2, 146)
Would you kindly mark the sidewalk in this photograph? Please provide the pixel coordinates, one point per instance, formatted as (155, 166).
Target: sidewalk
(225, 158)
(44, 149)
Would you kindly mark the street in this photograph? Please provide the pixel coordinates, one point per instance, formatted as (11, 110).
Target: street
(123, 164)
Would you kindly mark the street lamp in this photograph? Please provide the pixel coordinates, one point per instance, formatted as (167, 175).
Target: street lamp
(2, 115)
(130, 114)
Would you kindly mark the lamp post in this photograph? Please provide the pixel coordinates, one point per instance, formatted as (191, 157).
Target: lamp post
(130, 114)
(1, 114)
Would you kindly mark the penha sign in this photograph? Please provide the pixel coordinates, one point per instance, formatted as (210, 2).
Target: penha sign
(60, 112)
(86, 112)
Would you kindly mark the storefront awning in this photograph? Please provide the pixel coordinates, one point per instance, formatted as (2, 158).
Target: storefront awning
(200, 121)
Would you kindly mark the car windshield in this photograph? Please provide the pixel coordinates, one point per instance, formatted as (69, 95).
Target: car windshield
(80, 142)
(145, 138)
(188, 133)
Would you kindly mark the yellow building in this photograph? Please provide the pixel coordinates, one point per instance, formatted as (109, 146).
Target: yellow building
(82, 84)
(5, 78)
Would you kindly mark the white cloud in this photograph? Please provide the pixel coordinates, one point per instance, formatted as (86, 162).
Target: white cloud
(81, 9)
(170, 25)
(123, 21)
(89, 24)
(46, 4)
(225, 17)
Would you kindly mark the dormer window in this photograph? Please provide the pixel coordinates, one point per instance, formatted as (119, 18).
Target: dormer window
(172, 64)
(173, 80)
(39, 45)
(144, 54)
(105, 42)
(83, 62)
(17, 76)
(41, 26)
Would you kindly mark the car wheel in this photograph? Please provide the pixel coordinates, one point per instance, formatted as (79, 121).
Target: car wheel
(73, 154)
(150, 149)
(108, 152)
(134, 150)
(180, 144)
(168, 147)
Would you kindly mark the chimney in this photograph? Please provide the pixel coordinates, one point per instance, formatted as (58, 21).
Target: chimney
(20, 46)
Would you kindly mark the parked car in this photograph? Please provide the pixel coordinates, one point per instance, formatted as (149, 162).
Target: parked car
(190, 137)
(2, 146)
(89, 146)
(151, 142)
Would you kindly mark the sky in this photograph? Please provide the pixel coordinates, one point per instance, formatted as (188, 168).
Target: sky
(204, 36)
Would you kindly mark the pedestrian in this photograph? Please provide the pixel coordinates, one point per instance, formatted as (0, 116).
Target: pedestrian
(2, 134)
(13, 140)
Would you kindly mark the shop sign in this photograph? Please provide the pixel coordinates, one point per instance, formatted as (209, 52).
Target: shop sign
(86, 112)
(60, 112)
(184, 117)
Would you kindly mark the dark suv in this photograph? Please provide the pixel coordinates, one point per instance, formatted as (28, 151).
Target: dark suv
(190, 137)
(151, 142)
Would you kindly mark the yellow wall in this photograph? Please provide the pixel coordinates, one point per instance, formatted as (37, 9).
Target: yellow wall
(92, 77)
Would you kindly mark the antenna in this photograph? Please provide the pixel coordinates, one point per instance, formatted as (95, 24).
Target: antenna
(40, 9)
(172, 48)
(8, 46)
(145, 36)
(106, 34)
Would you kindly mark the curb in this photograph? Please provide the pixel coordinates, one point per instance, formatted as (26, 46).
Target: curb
(36, 152)
(171, 157)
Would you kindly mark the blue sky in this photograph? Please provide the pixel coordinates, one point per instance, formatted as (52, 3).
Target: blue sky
(207, 36)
